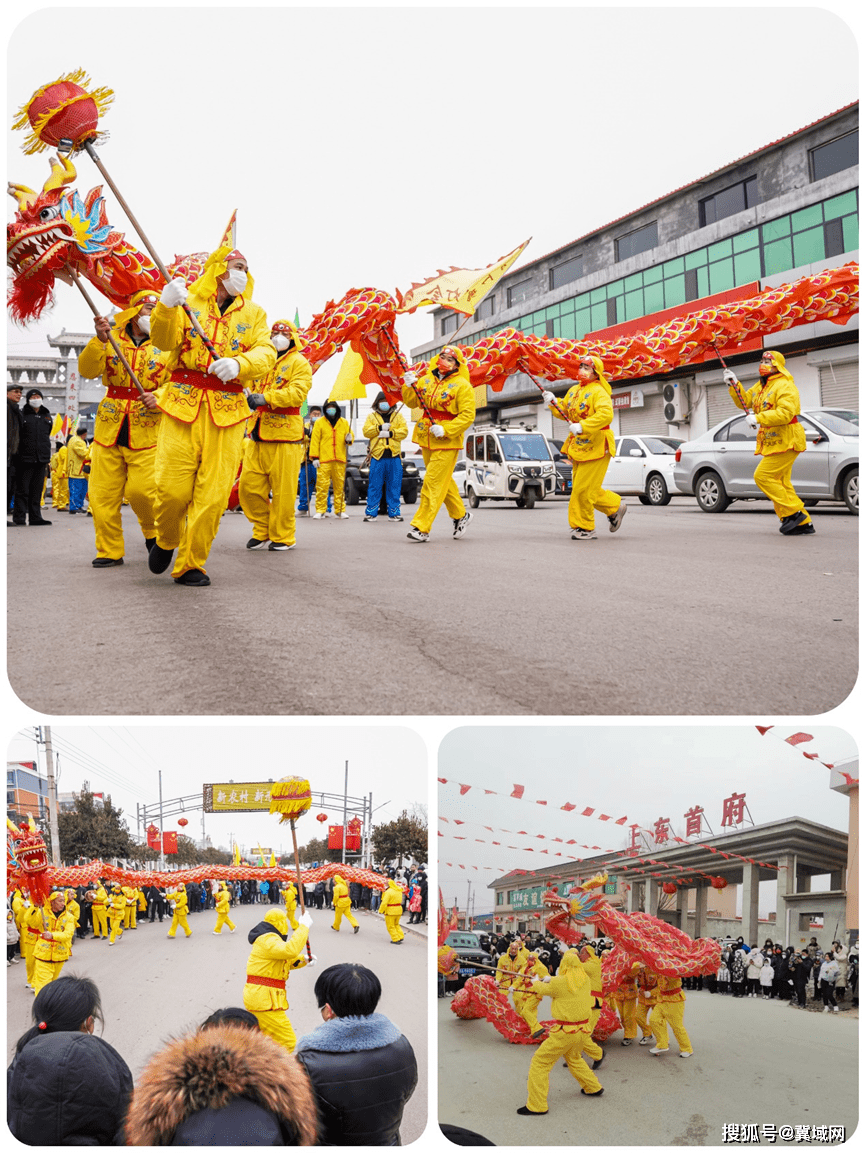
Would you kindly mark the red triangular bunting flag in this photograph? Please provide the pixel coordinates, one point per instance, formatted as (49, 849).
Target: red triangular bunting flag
(518, 791)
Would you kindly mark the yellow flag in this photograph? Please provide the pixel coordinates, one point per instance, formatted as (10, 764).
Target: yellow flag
(236, 860)
(272, 861)
(461, 289)
(348, 385)
(56, 425)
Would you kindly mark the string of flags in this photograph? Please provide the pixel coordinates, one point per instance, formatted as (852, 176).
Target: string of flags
(801, 739)
(518, 794)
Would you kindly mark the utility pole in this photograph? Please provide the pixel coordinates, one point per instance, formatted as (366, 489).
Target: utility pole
(345, 813)
(161, 832)
(52, 799)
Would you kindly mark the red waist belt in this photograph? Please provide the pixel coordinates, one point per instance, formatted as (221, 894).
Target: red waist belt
(595, 993)
(290, 411)
(440, 414)
(202, 380)
(36, 932)
(271, 982)
(585, 1022)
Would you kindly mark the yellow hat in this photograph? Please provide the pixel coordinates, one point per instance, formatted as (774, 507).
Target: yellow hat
(145, 296)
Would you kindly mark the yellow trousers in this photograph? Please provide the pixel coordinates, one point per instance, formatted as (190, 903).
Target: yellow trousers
(59, 491)
(179, 919)
(100, 921)
(588, 495)
(116, 928)
(276, 1024)
(291, 913)
(338, 914)
(334, 472)
(773, 477)
(195, 469)
(564, 1042)
(224, 919)
(129, 917)
(628, 1012)
(270, 468)
(590, 1046)
(643, 1011)
(116, 473)
(44, 972)
(393, 927)
(527, 1007)
(674, 1013)
(439, 487)
(27, 950)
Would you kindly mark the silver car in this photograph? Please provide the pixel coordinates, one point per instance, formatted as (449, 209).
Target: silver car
(718, 467)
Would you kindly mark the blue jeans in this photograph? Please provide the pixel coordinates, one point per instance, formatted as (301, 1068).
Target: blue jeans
(306, 493)
(384, 474)
(77, 492)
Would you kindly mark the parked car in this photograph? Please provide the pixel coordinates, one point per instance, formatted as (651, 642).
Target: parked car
(718, 467)
(357, 476)
(564, 469)
(468, 948)
(505, 465)
(460, 477)
(644, 465)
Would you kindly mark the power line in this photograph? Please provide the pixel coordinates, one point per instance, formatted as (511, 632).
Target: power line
(102, 735)
(92, 764)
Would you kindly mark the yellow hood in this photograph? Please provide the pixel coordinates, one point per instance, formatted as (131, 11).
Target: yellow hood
(569, 968)
(780, 364)
(290, 329)
(134, 307)
(279, 920)
(462, 368)
(337, 879)
(214, 267)
(599, 369)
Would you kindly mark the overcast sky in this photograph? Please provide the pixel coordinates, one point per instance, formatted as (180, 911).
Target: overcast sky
(373, 147)
(124, 761)
(639, 772)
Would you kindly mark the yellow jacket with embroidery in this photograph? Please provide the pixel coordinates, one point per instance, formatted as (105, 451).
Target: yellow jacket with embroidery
(77, 452)
(571, 995)
(591, 406)
(285, 386)
(775, 403)
(62, 927)
(98, 359)
(451, 403)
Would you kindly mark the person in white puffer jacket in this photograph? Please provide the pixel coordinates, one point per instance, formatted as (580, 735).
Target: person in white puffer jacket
(752, 972)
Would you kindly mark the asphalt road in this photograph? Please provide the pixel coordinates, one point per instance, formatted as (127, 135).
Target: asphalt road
(754, 1061)
(154, 988)
(680, 612)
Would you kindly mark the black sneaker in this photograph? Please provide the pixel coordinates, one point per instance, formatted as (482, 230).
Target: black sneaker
(394, 518)
(793, 522)
(106, 561)
(366, 518)
(462, 524)
(193, 577)
(416, 534)
(159, 558)
(149, 542)
(801, 530)
(253, 542)
(276, 546)
(35, 522)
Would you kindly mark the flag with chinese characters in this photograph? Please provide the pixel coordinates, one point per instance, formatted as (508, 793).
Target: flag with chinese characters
(460, 289)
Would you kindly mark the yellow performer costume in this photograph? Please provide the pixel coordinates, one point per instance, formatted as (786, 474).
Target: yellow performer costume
(223, 904)
(588, 407)
(181, 908)
(591, 963)
(274, 450)
(31, 927)
(274, 954)
(289, 895)
(77, 451)
(647, 991)
(129, 920)
(59, 480)
(448, 395)
(100, 912)
(74, 909)
(201, 436)
(331, 436)
(125, 428)
(780, 439)
(625, 999)
(116, 912)
(342, 905)
(570, 990)
(50, 955)
(526, 1001)
(670, 1009)
(142, 900)
(391, 909)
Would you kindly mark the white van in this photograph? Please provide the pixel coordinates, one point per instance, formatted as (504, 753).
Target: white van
(506, 465)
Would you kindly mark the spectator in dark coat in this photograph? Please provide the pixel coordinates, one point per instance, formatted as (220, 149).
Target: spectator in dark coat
(65, 1086)
(13, 439)
(800, 970)
(320, 892)
(362, 1069)
(31, 461)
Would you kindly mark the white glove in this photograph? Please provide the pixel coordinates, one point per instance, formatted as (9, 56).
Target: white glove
(384, 436)
(409, 378)
(546, 980)
(311, 961)
(306, 919)
(437, 431)
(752, 421)
(174, 293)
(575, 428)
(226, 368)
(549, 397)
(385, 427)
(730, 376)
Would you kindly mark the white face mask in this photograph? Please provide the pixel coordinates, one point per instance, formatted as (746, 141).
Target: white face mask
(35, 402)
(280, 342)
(144, 323)
(235, 282)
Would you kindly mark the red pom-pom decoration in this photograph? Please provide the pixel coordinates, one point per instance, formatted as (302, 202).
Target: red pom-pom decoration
(719, 882)
(669, 886)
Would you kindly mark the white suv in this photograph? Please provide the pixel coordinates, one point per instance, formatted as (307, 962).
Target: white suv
(505, 465)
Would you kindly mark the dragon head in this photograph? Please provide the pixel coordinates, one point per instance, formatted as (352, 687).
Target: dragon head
(31, 856)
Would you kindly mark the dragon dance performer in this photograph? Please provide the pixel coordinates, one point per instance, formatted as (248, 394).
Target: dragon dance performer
(571, 996)
(670, 1008)
(775, 407)
(31, 927)
(274, 955)
(391, 909)
(647, 991)
(447, 392)
(54, 944)
(526, 1002)
(126, 427)
(201, 435)
(308, 470)
(223, 904)
(328, 447)
(77, 452)
(274, 450)
(99, 901)
(386, 430)
(74, 909)
(625, 999)
(59, 479)
(129, 913)
(342, 905)
(116, 912)
(590, 447)
(181, 907)
(289, 896)
(591, 963)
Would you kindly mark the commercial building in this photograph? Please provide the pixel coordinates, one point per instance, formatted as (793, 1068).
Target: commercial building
(26, 791)
(787, 210)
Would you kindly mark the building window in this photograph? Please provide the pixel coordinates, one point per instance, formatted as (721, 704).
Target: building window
(835, 156)
(566, 272)
(486, 308)
(500, 898)
(550, 328)
(729, 201)
(833, 237)
(692, 291)
(518, 292)
(448, 323)
(640, 240)
(611, 312)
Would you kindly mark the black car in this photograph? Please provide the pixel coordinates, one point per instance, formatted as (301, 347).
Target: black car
(357, 477)
(564, 469)
(467, 947)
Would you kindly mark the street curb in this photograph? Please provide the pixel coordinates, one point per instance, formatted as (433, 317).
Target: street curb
(416, 930)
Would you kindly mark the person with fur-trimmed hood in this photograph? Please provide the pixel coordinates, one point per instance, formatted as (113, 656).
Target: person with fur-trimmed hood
(274, 955)
(224, 1085)
(447, 394)
(362, 1069)
(386, 429)
(274, 448)
(590, 446)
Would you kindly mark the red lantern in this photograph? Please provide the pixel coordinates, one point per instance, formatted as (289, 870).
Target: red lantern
(719, 882)
(183, 822)
(64, 108)
(321, 818)
(669, 886)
